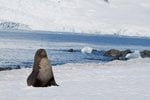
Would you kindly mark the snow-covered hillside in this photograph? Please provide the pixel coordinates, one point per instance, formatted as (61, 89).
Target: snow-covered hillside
(124, 17)
(13, 26)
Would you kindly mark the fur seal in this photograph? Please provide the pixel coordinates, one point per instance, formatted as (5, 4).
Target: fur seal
(42, 73)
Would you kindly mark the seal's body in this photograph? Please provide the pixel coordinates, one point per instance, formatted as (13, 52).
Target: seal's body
(42, 74)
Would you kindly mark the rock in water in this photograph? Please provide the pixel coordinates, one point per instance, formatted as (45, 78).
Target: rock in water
(115, 54)
(125, 52)
(145, 53)
(70, 50)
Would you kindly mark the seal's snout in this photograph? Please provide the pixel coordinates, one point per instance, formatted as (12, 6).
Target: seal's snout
(42, 53)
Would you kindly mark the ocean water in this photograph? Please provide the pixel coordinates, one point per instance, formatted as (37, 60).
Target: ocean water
(18, 48)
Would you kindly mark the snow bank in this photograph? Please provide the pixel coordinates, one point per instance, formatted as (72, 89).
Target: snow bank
(117, 80)
(120, 17)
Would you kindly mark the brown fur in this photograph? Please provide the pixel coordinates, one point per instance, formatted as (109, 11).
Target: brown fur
(39, 71)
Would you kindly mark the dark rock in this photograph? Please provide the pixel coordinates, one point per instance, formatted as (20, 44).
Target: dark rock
(106, 1)
(95, 52)
(115, 54)
(70, 50)
(145, 53)
(18, 67)
(7, 68)
(125, 52)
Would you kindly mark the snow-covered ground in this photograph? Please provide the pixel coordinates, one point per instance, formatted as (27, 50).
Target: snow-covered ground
(117, 80)
(123, 17)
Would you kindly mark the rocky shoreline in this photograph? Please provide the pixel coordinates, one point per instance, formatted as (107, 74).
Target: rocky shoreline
(123, 55)
(9, 68)
(114, 54)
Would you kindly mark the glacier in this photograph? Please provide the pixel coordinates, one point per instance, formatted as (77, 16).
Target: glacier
(119, 17)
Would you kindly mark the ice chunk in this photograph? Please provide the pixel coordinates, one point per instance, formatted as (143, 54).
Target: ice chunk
(135, 54)
(87, 50)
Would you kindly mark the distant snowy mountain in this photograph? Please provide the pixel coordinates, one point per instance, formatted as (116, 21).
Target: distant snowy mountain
(119, 17)
(13, 26)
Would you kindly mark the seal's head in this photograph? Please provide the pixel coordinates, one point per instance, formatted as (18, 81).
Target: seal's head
(41, 53)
